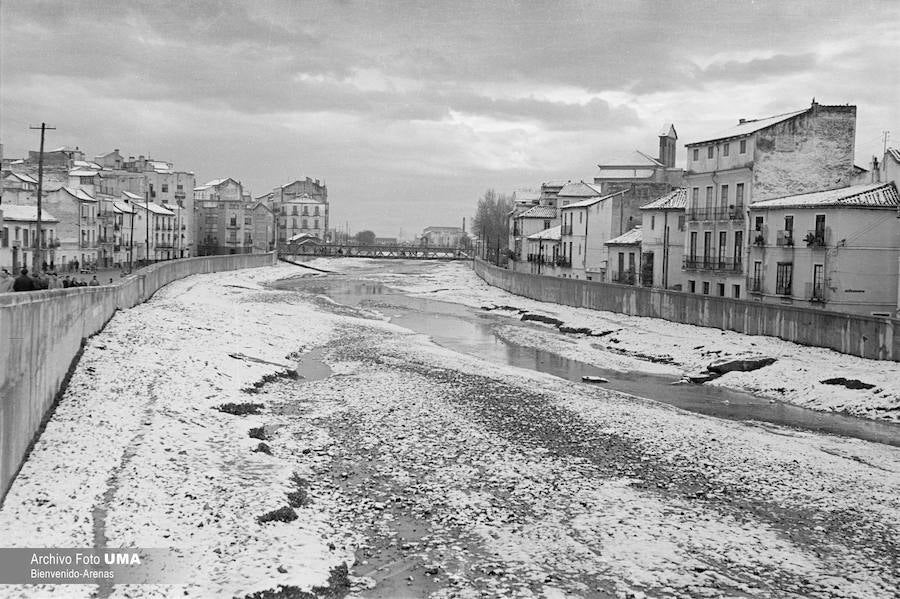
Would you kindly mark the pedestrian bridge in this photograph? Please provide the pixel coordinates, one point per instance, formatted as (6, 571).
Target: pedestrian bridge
(402, 252)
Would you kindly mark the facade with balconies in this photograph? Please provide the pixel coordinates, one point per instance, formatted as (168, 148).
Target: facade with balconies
(835, 250)
(221, 228)
(18, 235)
(662, 244)
(797, 152)
(586, 226)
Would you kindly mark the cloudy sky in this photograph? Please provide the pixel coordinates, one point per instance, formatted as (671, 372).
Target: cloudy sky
(410, 110)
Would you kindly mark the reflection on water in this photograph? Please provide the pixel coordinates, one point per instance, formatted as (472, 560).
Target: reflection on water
(472, 332)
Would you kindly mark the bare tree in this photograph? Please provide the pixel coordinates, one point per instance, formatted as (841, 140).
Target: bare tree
(491, 222)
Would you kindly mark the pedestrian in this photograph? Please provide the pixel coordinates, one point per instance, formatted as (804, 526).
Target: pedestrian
(23, 282)
(76, 265)
(110, 281)
(55, 283)
(6, 281)
(94, 282)
(66, 283)
(40, 281)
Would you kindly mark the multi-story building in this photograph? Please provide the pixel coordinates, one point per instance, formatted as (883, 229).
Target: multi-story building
(543, 249)
(527, 223)
(262, 226)
(522, 200)
(300, 208)
(835, 250)
(220, 220)
(662, 244)
(16, 185)
(160, 245)
(586, 227)
(18, 234)
(625, 259)
(442, 236)
(797, 152)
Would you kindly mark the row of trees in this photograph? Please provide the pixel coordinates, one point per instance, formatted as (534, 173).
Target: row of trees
(491, 224)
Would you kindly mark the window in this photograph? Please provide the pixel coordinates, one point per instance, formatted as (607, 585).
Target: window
(165, 188)
(546, 224)
(743, 149)
(631, 262)
(580, 217)
(179, 187)
(788, 223)
(721, 289)
(692, 286)
(316, 211)
(820, 226)
(681, 219)
(305, 224)
(723, 248)
(696, 153)
(738, 248)
(695, 197)
(784, 278)
(294, 211)
(758, 223)
(293, 223)
(726, 149)
(724, 198)
(709, 198)
(736, 291)
(4, 237)
(693, 248)
(818, 282)
(315, 223)
(739, 195)
(652, 221)
(707, 246)
(705, 287)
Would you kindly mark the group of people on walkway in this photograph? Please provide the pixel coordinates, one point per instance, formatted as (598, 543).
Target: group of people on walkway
(40, 281)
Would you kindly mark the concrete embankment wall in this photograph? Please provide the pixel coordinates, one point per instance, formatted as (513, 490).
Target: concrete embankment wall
(41, 333)
(864, 336)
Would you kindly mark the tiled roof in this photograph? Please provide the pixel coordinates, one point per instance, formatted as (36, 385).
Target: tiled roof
(539, 212)
(209, 184)
(155, 208)
(579, 190)
(631, 237)
(82, 172)
(591, 201)
(24, 178)
(132, 196)
(25, 214)
(749, 126)
(674, 200)
(635, 158)
(894, 153)
(873, 195)
(122, 206)
(624, 173)
(553, 233)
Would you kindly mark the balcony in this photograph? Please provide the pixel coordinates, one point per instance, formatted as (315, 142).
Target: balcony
(756, 285)
(165, 245)
(232, 225)
(783, 289)
(624, 278)
(694, 263)
(721, 213)
(815, 239)
(785, 238)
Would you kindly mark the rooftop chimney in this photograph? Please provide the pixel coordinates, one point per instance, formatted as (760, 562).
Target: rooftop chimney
(742, 121)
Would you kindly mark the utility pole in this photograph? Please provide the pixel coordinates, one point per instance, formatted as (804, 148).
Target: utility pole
(147, 225)
(40, 192)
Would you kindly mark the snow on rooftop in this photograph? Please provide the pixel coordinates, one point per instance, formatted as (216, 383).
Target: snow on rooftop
(634, 236)
(539, 212)
(674, 200)
(552, 234)
(25, 213)
(749, 126)
(873, 195)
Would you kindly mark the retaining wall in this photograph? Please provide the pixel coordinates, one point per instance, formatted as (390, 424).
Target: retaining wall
(41, 333)
(864, 336)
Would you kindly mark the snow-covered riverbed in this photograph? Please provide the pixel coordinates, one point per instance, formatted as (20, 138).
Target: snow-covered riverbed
(423, 471)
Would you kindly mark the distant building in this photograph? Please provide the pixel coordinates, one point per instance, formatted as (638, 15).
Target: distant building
(262, 226)
(160, 245)
(662, 243)
(442, 236)
(529, 222)
(386, 241)
(300, 207)
(797, 152)
(543, 247)
(835, 250)
(221, 223)
(586, 227)
(18, 233)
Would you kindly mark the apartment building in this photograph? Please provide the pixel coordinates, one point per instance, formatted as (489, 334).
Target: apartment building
(797, 152)
(299, 208)
(834, 250)
(528, 222)
(219, 215)
(625, 258)
(662, 243)
(586, 227)
(18, 234)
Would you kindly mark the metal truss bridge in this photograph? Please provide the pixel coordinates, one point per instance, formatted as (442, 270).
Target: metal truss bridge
(400, 252)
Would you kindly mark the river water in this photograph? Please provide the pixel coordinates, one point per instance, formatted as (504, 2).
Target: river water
(475, 332)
